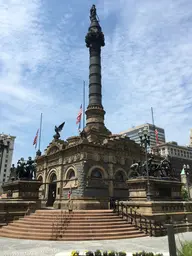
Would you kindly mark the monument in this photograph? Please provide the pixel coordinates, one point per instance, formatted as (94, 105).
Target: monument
(95, 165)
(22, 183)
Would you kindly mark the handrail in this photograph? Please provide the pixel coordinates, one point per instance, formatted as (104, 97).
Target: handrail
(148, 226)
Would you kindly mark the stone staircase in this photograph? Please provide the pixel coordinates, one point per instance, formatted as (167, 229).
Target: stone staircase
(75, 226)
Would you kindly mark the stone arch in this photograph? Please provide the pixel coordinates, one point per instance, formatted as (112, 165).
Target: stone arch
(97, 171)
(70, 173)
(40, 178)
(53, 149)
(52, 176)
(120, 175)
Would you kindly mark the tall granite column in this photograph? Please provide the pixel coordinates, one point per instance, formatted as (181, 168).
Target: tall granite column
(94, 41)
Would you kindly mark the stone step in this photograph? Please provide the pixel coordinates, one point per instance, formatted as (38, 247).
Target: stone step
(73, 214)
(79, 218)
(77, 211)
(39, 221)
(81, 238)
(68, 230)
(46, 235)
(71, 226)
(77, 226)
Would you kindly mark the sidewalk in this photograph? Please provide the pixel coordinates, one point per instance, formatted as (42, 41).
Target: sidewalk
(17, 247)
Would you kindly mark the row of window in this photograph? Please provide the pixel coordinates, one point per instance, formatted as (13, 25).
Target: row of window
(178, 152)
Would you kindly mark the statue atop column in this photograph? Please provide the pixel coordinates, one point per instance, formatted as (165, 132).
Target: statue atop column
(93, 13)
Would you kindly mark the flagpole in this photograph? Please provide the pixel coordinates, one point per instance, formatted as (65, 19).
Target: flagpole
(40, 131)
(83, 104)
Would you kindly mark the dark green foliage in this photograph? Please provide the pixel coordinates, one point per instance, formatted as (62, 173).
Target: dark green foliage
(98, 253)
(105, 253)
(89, 253)
(143, 253)
(186, 249)
(121, 253)
(111, 253)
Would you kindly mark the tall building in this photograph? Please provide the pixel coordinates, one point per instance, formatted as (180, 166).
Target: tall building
(6, 154)
(157, 134)
(190, 138)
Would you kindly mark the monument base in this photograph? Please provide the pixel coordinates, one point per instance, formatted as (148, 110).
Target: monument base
(22, 189)
(158, 189)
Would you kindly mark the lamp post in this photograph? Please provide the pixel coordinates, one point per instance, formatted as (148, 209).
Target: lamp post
(145, 141)
(186, 169)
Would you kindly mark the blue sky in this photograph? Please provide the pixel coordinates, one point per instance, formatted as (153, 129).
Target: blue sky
(147, 62)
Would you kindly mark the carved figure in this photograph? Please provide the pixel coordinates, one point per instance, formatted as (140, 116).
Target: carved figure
(163, 169)
(21, 169)
(93, 13)
(26, 170)
(136, 169)
(58, 130)
(13, 174)
(30, 169)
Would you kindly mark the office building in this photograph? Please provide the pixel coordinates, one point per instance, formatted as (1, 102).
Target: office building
(6, 154)
(157, 134)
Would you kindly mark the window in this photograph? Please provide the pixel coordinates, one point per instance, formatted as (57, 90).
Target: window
(5, 170)
(4, 175)
(96, 174)
(6, 161)
(119, 176)
(5, 165)
(71, 175)
(3, 180)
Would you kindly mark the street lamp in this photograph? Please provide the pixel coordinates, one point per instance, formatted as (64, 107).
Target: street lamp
(186, 169)
(145, 141)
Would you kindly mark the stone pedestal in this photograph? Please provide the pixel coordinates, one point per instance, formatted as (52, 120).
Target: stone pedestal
(22, 189)
(160, 189)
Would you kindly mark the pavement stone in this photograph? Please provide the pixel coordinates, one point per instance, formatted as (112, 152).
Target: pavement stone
(21, 247)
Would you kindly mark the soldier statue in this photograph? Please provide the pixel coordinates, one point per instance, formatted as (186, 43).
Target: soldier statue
(93, 13)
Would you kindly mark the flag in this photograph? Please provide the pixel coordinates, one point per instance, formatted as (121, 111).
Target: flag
(69, 193)
(79, 115)
(35, 139)
(156, 135)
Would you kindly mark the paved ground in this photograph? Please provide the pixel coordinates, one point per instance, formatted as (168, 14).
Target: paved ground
(16, 247)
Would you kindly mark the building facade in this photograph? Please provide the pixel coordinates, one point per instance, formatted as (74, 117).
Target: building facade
(178, 155)
(95, 165)
(155, 137)
(6, 154)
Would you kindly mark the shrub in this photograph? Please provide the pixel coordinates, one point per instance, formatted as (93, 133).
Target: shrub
(89, 253)
(105, 253)
(186, 249)
(111, 253)
(122, 254)
(74, 253)
(143, 253)
(98, 253)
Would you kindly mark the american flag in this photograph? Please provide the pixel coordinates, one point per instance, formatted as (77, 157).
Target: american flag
(156, 135)
(35, 139)
(69, 193)
(78, 121)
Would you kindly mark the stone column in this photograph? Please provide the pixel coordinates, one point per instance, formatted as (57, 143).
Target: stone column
(95, 112)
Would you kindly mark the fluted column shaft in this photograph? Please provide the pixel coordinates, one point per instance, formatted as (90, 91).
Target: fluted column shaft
(95, 96)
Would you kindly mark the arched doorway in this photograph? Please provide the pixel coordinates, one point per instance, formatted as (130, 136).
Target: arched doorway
(52, 190)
